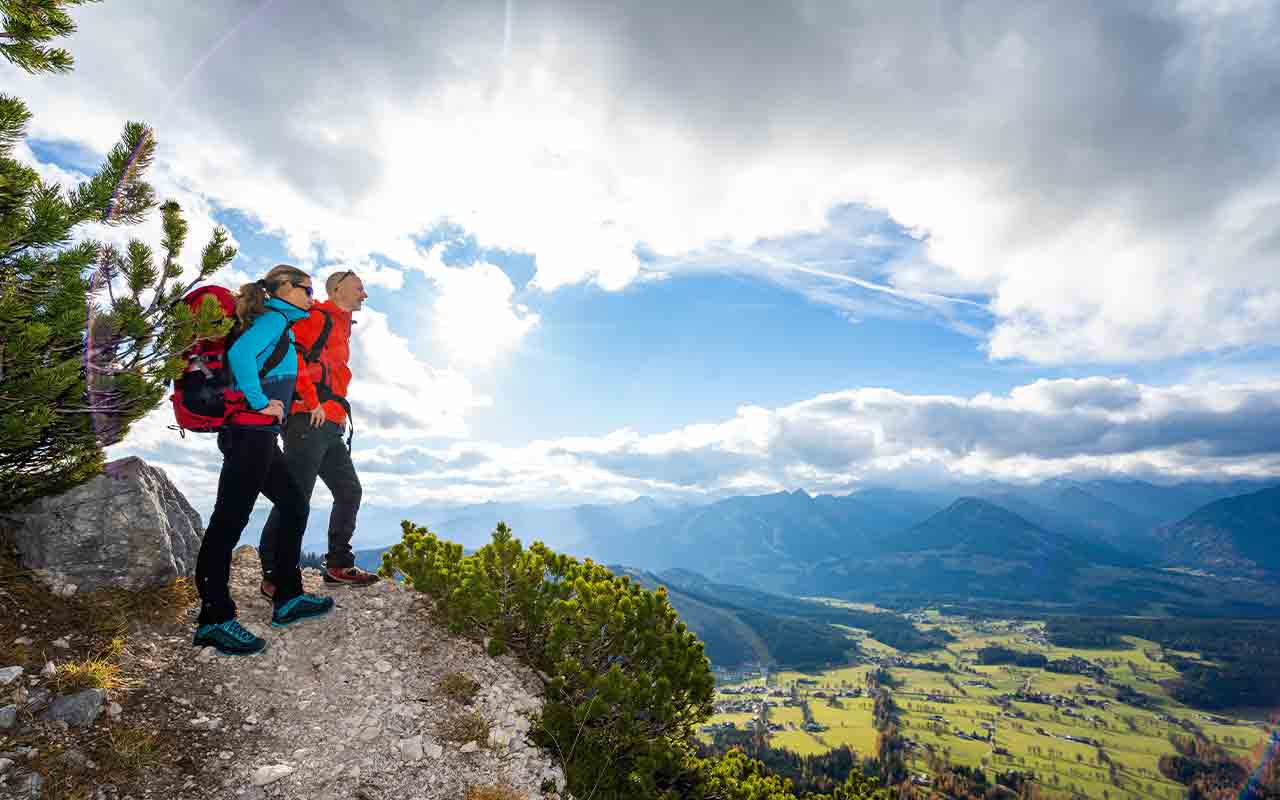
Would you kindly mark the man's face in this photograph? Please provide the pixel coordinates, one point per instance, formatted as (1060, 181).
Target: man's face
(350, 293)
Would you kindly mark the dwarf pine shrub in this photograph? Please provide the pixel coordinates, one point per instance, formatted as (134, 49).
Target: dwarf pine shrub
(626, 683)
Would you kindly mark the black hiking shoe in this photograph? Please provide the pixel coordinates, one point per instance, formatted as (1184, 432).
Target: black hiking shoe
(229, 639)
(304, 606)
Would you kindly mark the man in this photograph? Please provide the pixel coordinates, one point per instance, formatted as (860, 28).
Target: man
(313, 445)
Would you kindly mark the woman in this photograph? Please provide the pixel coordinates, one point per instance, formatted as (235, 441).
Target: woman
(253, 464)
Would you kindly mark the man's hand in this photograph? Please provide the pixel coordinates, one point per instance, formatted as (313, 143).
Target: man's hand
(275, 408)
(317, 416)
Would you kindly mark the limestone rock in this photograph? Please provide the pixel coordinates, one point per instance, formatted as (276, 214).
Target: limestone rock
(8, 717)
(78, 710)
(411, 749)
(129, 528)
(271, 773)
(9, 674)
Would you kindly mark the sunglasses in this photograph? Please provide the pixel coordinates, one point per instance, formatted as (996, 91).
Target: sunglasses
(348, 274)
(306, 287)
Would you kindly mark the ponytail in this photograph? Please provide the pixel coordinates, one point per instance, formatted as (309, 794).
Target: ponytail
(251, 300)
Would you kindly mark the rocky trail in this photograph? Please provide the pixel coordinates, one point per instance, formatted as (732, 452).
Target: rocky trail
(349, 705)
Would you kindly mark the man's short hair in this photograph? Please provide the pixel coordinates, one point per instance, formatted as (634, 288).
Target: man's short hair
(331, 282)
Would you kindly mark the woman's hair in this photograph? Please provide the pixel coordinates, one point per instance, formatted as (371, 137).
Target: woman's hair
(251, 301)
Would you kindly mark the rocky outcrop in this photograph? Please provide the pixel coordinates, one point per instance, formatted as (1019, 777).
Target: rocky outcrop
(349, 705)
(361, 703)
(129, 528)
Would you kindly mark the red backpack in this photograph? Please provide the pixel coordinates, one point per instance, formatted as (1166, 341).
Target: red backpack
(203, 400)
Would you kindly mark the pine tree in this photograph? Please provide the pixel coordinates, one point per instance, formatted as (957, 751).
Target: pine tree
(88, 335)
(29, 25)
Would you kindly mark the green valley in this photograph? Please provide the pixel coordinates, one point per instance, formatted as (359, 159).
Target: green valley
(1087, 722)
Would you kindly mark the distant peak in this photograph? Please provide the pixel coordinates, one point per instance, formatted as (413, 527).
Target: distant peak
(977, 507)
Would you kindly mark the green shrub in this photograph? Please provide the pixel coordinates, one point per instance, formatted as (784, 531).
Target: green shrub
(625, 682)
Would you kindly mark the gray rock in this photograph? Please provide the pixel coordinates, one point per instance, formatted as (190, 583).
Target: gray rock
(36, 700)
(9, 674)
(129, 527)
(5, 763)
(271, 773)
(78, 710)
(411, 749)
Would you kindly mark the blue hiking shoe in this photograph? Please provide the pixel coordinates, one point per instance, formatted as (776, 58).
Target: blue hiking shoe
(304, 606)
(229, 639)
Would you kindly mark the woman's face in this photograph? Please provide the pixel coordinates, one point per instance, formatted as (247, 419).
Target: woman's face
(298, 294)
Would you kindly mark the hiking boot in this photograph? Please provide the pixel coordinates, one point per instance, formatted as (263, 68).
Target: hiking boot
(350, 575)
(304, 606)
(267, 589)
(229, 639)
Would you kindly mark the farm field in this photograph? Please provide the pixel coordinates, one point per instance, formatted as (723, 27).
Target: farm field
(953, 712)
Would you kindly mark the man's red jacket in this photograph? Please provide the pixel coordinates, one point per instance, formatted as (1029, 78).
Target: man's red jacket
(333, 367)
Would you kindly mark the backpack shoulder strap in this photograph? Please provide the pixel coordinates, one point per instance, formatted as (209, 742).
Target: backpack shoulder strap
(282, 346)
(313, 353)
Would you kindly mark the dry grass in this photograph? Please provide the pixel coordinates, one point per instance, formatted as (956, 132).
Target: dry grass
(99, 621)
(129, 750)
(98, 625)
(101, 672)
(463, 727)
(495, 792)
(458, 687)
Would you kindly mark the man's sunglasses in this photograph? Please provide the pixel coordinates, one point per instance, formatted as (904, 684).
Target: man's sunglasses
(349, 273)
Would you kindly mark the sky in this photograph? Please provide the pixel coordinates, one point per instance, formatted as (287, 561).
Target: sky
(696, 250)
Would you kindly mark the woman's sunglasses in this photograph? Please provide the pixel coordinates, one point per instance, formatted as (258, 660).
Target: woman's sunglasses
(306, 287)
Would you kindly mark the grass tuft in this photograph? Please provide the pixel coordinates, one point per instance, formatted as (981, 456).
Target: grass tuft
(463, 727)
(92, 673)
(129, 750)
(458, 687)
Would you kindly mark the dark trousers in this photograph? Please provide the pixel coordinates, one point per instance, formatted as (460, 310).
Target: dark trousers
(252, 464)
(312, 453)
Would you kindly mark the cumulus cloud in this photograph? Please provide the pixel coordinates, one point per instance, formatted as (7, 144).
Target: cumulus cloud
(395, 393)
(1094, 426)
(1107, 173)
(473, 314)
(1083, 428)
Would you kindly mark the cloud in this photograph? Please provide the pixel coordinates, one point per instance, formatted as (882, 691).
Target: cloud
(394, 393)
(473, 314)
(1048, 428)
(1084, 428)
(1066, 158)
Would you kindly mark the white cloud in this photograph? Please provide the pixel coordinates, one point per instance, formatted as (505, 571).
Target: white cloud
(473, 315)
(1093, 427)
(1068, 158)
(394, 393)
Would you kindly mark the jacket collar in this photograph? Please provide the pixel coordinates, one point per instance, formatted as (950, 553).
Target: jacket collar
(333, 308)
(291, 312)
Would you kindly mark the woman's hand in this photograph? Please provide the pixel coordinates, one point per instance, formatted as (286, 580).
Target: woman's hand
(317, 416)
(275, 408)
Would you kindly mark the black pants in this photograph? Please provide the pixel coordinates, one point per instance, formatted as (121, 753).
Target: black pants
(252, 464)
(312, 453)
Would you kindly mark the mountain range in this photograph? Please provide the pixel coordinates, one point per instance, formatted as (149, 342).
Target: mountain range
(1108, 546)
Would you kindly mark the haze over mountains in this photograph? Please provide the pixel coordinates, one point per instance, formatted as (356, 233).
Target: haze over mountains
(1106, 546)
